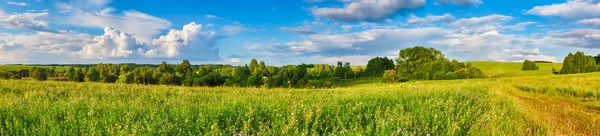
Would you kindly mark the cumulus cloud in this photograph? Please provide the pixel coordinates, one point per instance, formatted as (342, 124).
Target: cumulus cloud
(461, 2)
(16, 3)
(572, 9)
(140, 25)
(26, 21)
(430, 19)
(189, 43)
(367, 10)
(41, 47)
(113, 44)
(298, 30)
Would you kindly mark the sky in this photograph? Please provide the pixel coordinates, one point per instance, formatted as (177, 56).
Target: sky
(282, 32)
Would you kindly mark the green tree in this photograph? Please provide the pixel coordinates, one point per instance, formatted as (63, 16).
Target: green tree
(430, 64)
(93, 75)
(578, 63)
(39, 74)
(71, 74)
(529, 65)
(253, 65)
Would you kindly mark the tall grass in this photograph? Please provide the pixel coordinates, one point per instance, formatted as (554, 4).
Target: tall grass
(63, 108)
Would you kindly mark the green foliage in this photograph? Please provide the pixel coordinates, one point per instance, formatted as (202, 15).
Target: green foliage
(529, 65)
(578, 63)
(93, 75)
(429, 64)
(390, 76)
(377, 66)
(39, 74)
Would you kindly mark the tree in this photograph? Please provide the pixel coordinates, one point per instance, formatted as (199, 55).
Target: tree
(253, 65)
(411, 58)
(93, 75)
(390, 76)
(39, 74)
(79, 76)
(578, 63)
(529, 65)
(430, 64)
(71, 74)
(165, 68)
(376, 66)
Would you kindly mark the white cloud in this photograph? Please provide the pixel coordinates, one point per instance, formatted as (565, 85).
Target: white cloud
(581, 38)
(113, 44)
(234, 60)
(572, 9)
(591, 22)
(16, 3)
(525, 54)
(460, 2)
(41, 47)
(298, 30)
(26, 21)
(140, 25)
(520, 26)
(478, 38)
(211, 17)
(367, 10)
(234, 29)
(430, 19)
(478, 21)
(189, 43)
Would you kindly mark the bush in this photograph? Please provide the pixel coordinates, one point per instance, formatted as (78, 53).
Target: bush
(529, 65)
(390, 76)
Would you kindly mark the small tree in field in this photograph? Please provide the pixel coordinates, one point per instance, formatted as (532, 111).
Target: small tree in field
(529, 65)
(390, 76)
(39, 74)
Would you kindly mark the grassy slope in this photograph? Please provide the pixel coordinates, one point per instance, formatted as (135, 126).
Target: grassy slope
(513, 69)
(524, 103)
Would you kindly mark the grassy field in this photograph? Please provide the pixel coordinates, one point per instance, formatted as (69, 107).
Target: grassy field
(9, 67)
(513, 69)
(519, 103)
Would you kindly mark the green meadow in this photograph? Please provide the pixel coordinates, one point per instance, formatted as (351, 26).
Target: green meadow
(509, 102)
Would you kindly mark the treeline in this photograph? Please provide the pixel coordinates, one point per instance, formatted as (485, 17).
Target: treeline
(418, 63)
(37, 73)
(255, 74)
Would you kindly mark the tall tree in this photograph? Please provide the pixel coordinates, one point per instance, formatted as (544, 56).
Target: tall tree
(253, 65)
(184, 66)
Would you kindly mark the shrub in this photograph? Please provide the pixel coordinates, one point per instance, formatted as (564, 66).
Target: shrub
(529, 65)
(390, 76)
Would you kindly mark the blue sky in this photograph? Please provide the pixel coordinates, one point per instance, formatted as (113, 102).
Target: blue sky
(284, 32)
